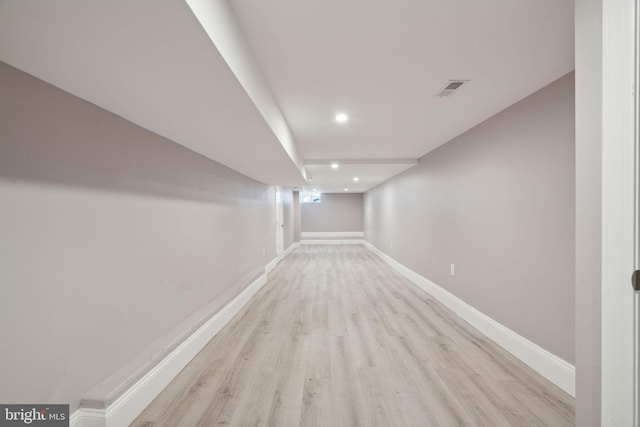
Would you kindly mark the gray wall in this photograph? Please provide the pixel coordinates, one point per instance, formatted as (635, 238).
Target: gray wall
(288, 217)
(498, 202)
(297, 219)
(336, 212)
(588, 210)
(115, 243)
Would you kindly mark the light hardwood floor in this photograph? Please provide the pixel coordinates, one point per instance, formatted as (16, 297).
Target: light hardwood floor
(337, 338)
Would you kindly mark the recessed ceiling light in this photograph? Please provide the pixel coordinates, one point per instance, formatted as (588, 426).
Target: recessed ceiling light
(315, 189)
(356, 179)
(334, 165)
(346, 189)
(341, 117)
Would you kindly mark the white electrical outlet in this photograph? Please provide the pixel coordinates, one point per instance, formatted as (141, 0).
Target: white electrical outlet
(264, 252)
(391, 245)
(453, 269)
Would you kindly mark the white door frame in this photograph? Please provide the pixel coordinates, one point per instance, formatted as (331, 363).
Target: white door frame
(636, 246)
(279, 222)
(618, 217)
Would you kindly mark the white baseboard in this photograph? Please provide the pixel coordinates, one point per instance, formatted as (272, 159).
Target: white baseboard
(550, 366)
(272, 264)
(280, 257)
(74, 419)
(131, 403)
(333, 242)
(88, 417)
(289, 250)
(330, 234)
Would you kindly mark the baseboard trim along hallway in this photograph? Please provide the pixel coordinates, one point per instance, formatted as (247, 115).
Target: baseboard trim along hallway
(332, 238)
(332, 242)
(550, 366)
(130, 404)
(305, 235)
(338, 337)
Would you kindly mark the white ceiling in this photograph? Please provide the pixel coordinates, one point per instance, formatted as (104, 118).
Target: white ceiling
(383, 61)
(323, 178)
(260, 94)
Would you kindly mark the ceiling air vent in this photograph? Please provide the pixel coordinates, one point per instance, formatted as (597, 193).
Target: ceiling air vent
(451, 87)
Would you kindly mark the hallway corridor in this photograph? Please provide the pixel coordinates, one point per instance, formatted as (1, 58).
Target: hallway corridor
(337, 338)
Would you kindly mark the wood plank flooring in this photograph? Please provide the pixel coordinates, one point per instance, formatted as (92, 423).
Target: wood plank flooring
(337, 338)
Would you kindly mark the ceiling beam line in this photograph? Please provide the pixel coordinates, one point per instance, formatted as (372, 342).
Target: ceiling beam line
(220, 23)
(361, 161)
